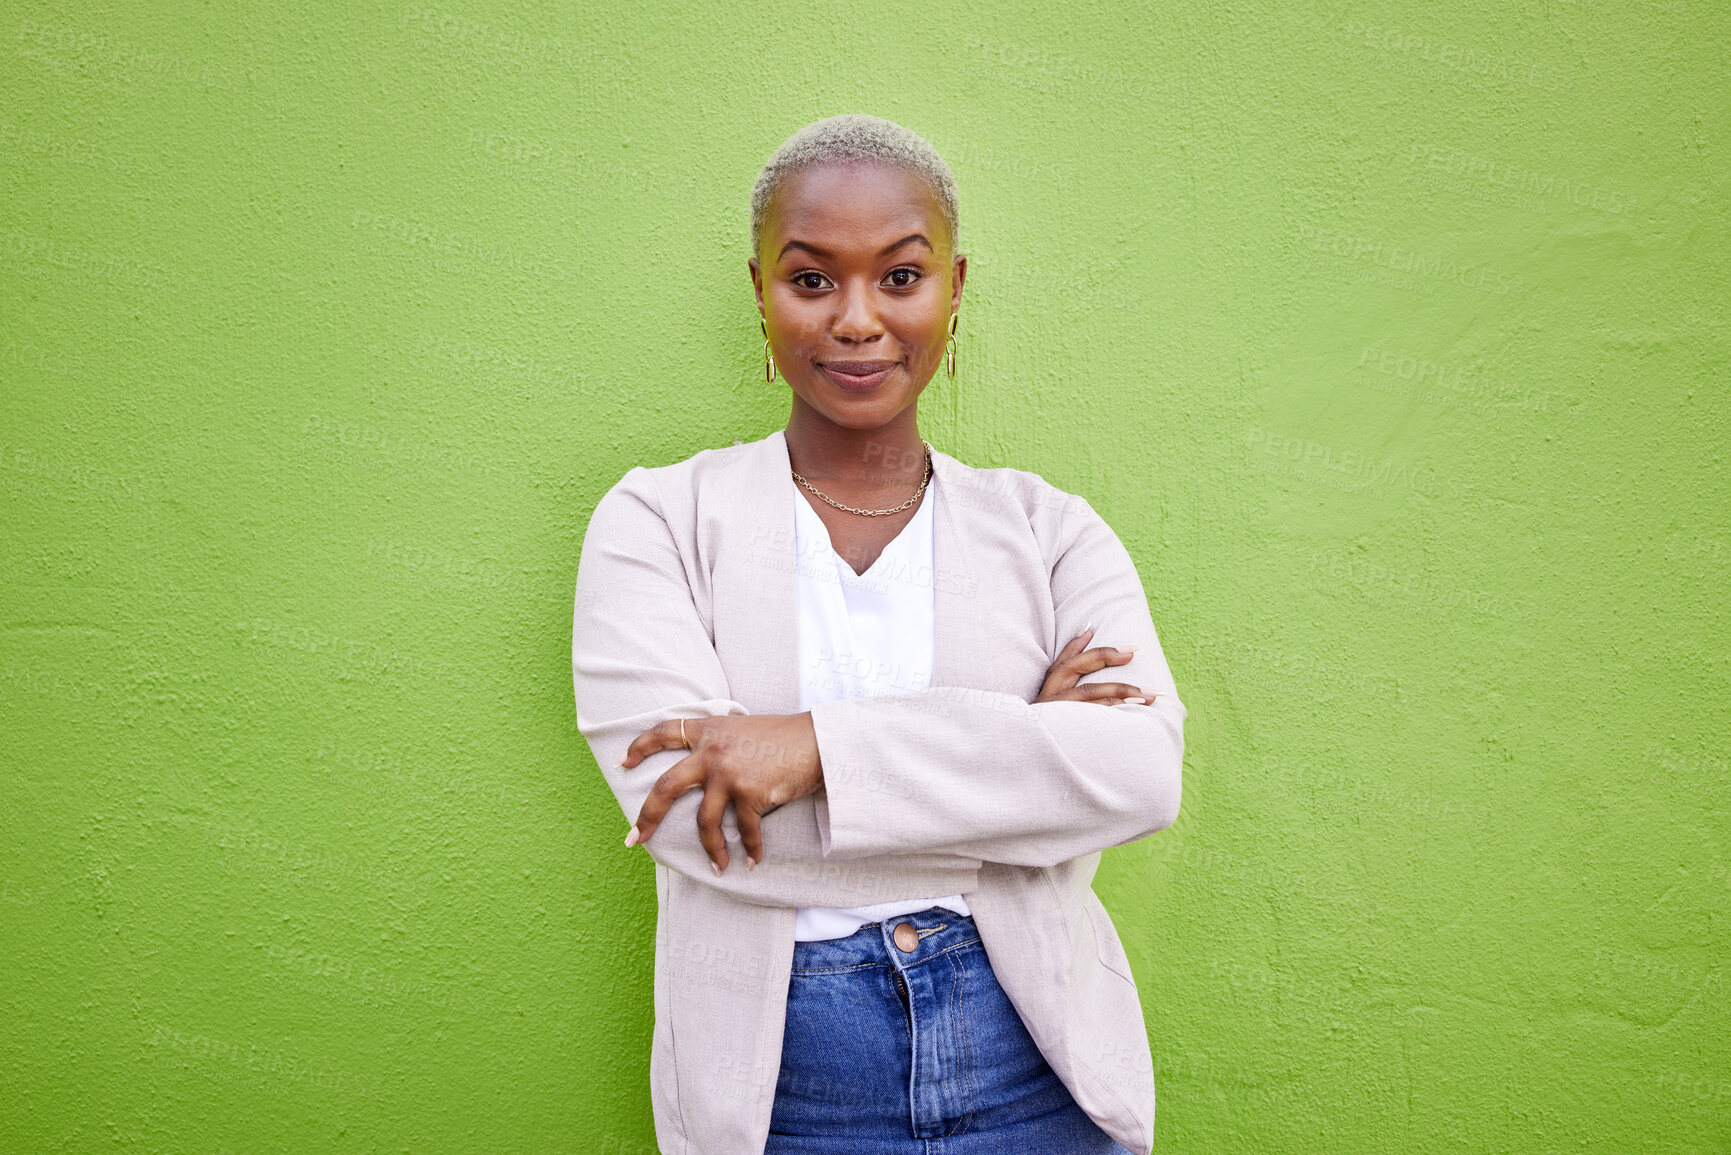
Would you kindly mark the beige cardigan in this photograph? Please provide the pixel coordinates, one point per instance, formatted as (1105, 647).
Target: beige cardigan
(686, 607)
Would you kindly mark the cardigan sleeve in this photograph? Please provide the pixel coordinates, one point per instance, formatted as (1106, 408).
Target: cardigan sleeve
(987, 774)
(641, 653)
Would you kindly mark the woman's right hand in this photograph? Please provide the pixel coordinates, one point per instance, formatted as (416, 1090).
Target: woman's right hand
(1073, 662)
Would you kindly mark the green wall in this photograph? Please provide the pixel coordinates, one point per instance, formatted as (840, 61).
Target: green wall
(1391, 340)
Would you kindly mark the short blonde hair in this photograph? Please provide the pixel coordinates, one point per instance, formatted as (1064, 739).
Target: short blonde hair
(848, 138)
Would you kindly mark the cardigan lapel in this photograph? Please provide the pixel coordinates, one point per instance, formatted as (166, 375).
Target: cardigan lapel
(957, 627)
(756, 611)
(752, 584)
(994, 624)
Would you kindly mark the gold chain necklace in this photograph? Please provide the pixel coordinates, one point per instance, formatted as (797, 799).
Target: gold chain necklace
(877, 512)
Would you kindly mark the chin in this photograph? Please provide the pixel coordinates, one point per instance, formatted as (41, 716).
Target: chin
(855, 412)
(861, 418)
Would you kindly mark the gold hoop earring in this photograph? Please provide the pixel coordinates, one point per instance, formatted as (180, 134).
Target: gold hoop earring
(768, 356)
(950, 349)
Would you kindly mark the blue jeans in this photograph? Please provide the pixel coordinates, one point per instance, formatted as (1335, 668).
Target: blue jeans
(893, 1051)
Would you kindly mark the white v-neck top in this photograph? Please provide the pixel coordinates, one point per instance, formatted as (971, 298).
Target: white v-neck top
(861, 635)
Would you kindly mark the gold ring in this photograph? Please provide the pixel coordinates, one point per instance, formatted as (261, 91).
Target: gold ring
(683, 740)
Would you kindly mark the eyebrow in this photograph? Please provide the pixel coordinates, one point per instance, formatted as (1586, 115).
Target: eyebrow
(920, 237)
(885, 251)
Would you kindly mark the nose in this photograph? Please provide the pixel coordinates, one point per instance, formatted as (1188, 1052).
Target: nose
(858, 319)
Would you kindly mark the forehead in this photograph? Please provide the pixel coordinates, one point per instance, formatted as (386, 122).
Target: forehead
(832, 202)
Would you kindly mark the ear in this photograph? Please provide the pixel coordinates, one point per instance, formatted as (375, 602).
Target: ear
(958, 274)
(756, 282)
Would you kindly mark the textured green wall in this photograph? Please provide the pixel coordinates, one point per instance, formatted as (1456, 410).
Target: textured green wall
(1392, 341)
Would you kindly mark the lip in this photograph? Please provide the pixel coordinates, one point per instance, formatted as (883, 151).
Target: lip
(857, 376)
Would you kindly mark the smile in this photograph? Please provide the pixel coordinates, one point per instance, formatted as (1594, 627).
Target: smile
(857, 376)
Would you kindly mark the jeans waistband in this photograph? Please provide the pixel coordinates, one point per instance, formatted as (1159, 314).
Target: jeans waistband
(935, 931)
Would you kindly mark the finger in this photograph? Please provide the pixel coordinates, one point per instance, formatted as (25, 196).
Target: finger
(1099, 658)
(1075, 644)
(1058, 683)
(683, 775)
(661, 736)
(645, 744)
(750, 833)
(709, 814)
(1139, 698)
(1095, 691)
(1060, 677)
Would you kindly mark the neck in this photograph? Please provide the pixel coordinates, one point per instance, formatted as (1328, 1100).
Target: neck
(890, 456)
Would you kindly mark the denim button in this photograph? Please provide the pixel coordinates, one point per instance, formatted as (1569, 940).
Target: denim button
(907, 938)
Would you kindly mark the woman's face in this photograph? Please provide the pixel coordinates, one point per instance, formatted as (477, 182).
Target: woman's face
(856, 278)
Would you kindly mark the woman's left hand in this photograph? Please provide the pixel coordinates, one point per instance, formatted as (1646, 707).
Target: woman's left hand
(755, 761)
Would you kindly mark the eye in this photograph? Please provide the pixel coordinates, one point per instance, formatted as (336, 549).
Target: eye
(904, 277)
(810, 280)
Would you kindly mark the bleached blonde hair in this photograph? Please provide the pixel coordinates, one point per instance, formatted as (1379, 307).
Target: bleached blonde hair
(853, 137)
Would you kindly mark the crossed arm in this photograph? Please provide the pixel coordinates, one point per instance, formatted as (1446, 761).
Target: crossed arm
(877, 798)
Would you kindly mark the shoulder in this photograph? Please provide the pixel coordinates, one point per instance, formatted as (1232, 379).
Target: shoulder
(677, 486)
(1057, 518)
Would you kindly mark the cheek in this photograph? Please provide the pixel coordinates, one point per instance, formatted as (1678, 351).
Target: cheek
(924, 332)
(795, 322)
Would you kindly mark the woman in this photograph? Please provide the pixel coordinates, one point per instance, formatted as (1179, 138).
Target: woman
(864, 668)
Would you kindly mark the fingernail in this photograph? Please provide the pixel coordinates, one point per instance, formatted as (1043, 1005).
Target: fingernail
(715, 870)
(1130, 649)
(750, 862)
(618, 762)
(631, 838)
(1138, 701)
(1089, 628)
